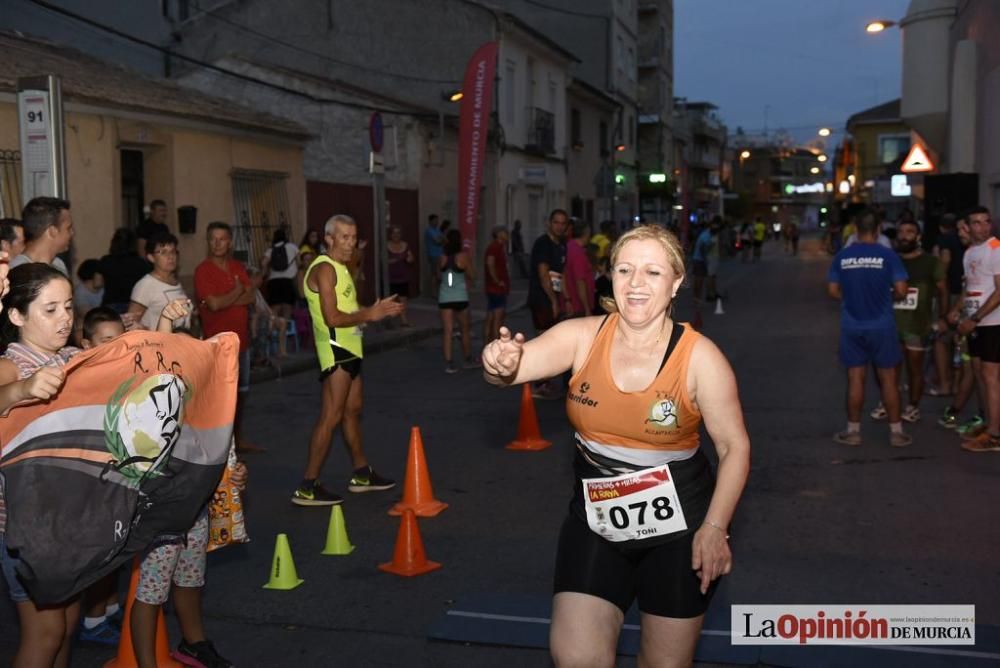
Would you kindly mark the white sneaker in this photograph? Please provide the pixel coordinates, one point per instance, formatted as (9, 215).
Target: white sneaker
(911, 414)
(879, 412)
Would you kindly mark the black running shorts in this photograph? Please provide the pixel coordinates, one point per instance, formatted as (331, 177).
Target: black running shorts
(984, 343)
(660, 577)
(656, 571)
(351, 366)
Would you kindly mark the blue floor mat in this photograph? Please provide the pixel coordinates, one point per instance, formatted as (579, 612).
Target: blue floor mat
(522, 620)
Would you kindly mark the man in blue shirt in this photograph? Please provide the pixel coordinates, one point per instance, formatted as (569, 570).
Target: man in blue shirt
(433, 248)
(867, 278)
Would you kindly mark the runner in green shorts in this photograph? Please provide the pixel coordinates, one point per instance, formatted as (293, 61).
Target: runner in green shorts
(915, 320)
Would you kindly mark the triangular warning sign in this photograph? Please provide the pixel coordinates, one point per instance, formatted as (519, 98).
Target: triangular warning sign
(917, 160)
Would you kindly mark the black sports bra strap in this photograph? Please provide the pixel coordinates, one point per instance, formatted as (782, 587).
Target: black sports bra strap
(675, 336)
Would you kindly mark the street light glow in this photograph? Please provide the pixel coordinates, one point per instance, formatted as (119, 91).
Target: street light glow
(824, 132)
(744, 155)
(821, 157)
(657, 178)
(814, 170)
(879, 25)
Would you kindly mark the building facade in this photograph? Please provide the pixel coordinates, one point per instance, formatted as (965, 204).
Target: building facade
(779, 184)
(589, 173)
(873, 151)
(656, 107)
(604, 35)
(700, 145)
(131, 139)
(951, 89)
(531, 172)
(412, 83)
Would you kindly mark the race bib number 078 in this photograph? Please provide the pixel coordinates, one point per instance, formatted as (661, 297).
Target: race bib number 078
(634, 506)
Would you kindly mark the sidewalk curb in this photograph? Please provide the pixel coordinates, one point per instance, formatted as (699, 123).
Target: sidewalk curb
(399, 339)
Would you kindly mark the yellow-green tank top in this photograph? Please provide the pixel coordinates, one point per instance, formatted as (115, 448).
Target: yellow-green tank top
(334, 344)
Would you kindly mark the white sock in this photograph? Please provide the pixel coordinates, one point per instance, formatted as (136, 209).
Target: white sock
(853, 427)
(896, 428)
(112, 609)
(91, 622)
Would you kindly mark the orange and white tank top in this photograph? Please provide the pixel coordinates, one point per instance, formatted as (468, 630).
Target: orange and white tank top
(648, 427)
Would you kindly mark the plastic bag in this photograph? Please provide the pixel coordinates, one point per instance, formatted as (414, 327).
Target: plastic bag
(226, 525)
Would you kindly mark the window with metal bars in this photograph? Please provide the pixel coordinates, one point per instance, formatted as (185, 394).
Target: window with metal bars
(10, 184)
(260, 200)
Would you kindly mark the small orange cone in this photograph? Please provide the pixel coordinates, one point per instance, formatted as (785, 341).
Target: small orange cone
(409, 558)
(126, 653)
(529, 437)
(418, 495)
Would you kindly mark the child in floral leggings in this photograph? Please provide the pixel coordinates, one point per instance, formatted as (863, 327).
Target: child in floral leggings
(179, 564)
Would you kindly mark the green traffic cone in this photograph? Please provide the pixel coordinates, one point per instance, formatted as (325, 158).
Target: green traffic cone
(283, 575)
(337, 542)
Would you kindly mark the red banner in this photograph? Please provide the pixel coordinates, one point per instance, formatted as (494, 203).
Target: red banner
(473, 127)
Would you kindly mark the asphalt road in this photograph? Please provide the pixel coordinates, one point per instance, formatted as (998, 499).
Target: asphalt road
(819, 522)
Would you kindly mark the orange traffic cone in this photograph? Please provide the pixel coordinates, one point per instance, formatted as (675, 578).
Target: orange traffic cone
(417, 493)
(529, 437)
(409, 558)
(126, 653)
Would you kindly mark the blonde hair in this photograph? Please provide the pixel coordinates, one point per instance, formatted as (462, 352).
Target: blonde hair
(669, 242)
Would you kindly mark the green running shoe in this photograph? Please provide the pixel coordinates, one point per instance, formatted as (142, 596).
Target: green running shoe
(971, 428)
(316, 495)
(948, 419)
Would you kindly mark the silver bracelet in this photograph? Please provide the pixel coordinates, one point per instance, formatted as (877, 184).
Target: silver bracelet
(716, 526)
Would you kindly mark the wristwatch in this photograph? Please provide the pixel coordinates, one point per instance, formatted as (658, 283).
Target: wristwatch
(975, 317)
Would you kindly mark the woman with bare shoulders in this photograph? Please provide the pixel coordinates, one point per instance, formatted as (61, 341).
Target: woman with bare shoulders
(648, 518)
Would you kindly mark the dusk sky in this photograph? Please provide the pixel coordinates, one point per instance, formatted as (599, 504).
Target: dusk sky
(810, 62)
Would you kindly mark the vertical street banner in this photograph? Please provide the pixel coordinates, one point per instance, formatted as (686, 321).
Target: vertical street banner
(473, 128)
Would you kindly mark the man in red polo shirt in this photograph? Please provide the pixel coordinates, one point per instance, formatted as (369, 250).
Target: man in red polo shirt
(224, 294)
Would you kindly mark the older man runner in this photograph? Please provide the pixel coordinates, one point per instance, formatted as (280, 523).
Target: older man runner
(336, 319)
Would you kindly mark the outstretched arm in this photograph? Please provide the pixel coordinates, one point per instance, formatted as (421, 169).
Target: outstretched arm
(511, 359)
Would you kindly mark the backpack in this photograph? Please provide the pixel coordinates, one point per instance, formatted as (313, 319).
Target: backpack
(279, 257)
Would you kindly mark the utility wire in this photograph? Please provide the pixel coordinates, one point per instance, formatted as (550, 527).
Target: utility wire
(560, 10)
(215, 68)
(295, 47)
